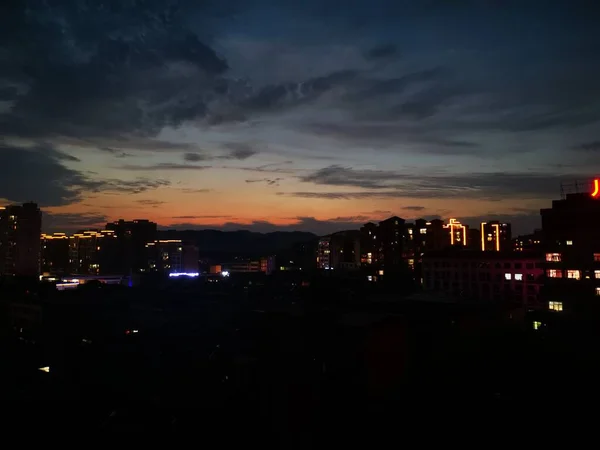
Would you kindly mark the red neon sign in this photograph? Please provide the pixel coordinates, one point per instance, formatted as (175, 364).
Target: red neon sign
(596, 188)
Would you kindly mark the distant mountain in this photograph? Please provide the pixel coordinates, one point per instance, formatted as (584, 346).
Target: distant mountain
(239, 242)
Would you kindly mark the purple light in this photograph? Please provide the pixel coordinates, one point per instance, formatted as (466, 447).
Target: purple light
(184, 274)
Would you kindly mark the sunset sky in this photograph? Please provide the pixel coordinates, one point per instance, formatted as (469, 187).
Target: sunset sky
(312, 115)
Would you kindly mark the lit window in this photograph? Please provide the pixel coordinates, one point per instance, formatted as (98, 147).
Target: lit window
(555, 306)
(381, 272)
(410, 231)
(569, 242)
(596, 256)
(518, 277)
(598, 291)
(507, 276)
(536, 325)
(596, 273)
(555, 257)
(575, 274)
(423, 231)
(553, 273)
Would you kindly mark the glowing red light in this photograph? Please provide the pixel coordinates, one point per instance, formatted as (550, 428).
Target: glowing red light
(127, 331)
(596, 188)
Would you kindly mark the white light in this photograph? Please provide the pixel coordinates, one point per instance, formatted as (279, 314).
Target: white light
(225, 273)
(184, 274)
(135, 331)
(45, 369)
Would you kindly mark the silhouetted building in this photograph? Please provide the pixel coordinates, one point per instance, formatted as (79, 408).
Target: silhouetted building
(390, 236)
(458, 233)
(572, 252)
(486, 276)
(132, 237)
(345, 250)
(324, 253)
(495, 236)
(164, 255)
(55, 253)
(20, 230)
(369, 245)
(528, 242)
(93, 252)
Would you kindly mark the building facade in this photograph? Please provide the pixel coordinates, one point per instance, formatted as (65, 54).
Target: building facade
(495, 236)
(20, 230)
(571, 231)
(485, 276)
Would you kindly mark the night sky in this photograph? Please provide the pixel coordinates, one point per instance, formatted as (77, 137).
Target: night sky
(311, 115)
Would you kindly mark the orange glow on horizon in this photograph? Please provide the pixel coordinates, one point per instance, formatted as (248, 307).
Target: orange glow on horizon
(596, 188)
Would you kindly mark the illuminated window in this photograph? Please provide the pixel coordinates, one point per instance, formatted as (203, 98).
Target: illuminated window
(518, 277)
(598, 291)
(410, 231)
(423, 231)
(537, 325)
(569, 242)
(553, 273)
(555, 257)
(596, 273)
(508, 276)
(596, 256)
(555, 306)
(381, 272)
(575, 274)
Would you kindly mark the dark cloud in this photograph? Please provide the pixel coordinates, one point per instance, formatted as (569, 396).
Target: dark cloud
(116, 153)
(195, 157)
(50, 183)
(68, 221)
(149, 202)
(194, 191)
(413, 208)
(485, 186)
(268, 181)
(93, 70)
(240, 151)
(163, 166)
(593, 146)
(383, 52)
(203, 217)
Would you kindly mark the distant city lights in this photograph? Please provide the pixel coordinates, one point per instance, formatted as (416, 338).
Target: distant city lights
(225, 273)
(44, 369)
(184, 274)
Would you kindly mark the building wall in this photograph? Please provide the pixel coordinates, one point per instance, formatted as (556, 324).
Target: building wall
(485, 276)
(20, 230)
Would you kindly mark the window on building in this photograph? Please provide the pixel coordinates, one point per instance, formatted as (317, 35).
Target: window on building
(518, 277)
(569, 242)
(507, 265)
(596, 256)
(598, 291)
(529, 265)
(536, 325)
(575, 274)
(498, 266)
(508, 276)
(596, 273)
(553, 273)
(518, 265)
(553, 257)
(555, 306)
(423, 231)
(530, 277)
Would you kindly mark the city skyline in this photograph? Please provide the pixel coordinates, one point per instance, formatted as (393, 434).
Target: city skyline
(256, 116)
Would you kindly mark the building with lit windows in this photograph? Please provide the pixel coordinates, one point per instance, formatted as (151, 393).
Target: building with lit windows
(495, 236)
(324, 253)
(390, 235)
(571, 230)
(20, 230)
(369, 245)
(528, 242)
(93, 252)
(55, 253)
(340, 251)
(165, 256)
(513, 278)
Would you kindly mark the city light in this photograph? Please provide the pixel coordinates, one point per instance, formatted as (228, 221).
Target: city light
(184, 274)
(596, 188)
(225, 273)
(44, 369)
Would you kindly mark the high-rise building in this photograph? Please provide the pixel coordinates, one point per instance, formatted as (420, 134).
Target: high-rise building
(390, 236)
(324, 253)
(93, 252)
(55, 253)
(369, 245)
(165, 255)
(495, 236)
(572, 251)
(458, 233)
(132, 237)
(20, 230)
